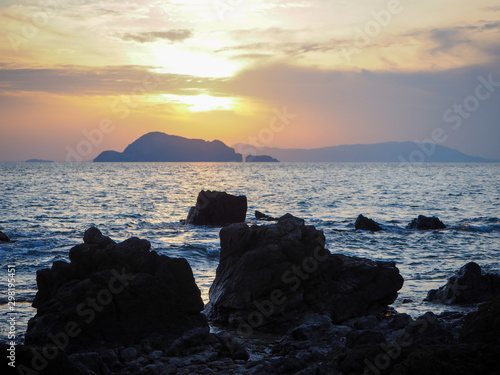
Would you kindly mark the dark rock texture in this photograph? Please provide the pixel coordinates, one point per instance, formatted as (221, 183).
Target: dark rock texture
(468, 285)
(114, 294)
(217, 208)
(426, 223)
(270, 276)
(4, 237)
(364, 223)
(161, 147)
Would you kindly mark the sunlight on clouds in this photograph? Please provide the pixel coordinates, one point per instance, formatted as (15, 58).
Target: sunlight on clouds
(200, 103)
(176, 61)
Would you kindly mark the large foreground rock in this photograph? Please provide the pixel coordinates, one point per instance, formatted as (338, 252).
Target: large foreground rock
(469, 285)
(425, 223)
(270, 276)
(217, 208)
(114, 293)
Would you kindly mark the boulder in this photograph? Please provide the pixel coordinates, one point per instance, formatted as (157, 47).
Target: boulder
(261, 216)
(364, 223)
(468, 285)
(217, 208)
(4, 237)
(114, 294)
(425, 223)
(271, 276)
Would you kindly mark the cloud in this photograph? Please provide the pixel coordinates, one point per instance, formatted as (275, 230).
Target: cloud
(113, 80)
(340, 107)
(174, 36)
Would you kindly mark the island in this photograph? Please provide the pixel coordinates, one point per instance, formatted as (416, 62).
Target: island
(39, 161)
(162, 147)
(260, 159)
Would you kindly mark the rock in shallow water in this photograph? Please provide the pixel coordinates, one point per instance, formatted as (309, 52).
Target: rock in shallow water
(271, 276)
(114, 294)
(217, 208)
(426, 223)
(467, 286)
(365, 223)
(4, 237)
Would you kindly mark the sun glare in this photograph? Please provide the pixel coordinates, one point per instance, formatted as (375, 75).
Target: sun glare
(201, 103)
(176, 61)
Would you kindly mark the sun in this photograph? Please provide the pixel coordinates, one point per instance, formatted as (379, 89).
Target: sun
(201, 103)
(176, 61)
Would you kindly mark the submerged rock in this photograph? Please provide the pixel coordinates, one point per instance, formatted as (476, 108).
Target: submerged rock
(261, 216)
(270, 276)
(468, 285)
(364, 223)
(114, 294)
(4, 237)
(425, 223)
(217, 208)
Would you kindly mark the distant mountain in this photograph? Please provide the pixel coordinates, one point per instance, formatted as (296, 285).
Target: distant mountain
(39, 161)
(260, 159)
(378, 152)
(160, 147)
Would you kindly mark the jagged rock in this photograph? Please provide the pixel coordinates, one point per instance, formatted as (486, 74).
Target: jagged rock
(217, 208)
(364, 223)
(468, 285)
(425, 223)
(114, 294)
(4, 237)
(261, 216)
(270, 276)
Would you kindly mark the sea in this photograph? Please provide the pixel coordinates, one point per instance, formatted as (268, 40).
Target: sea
(46, 207)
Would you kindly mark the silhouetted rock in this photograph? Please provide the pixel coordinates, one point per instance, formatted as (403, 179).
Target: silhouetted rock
(114, 294)
(217, 208)
(270, 276)
(161, 147)
(261, 216)
(364, 223)
(483, 325)
(4, 237)
(467, 286)
(424, 223)
(260, 159)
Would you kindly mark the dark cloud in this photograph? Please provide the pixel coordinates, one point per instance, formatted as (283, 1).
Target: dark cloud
(176, 35)
(113, 80)
(377, 106)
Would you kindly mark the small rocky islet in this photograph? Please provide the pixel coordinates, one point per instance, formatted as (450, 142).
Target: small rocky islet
(121, 308)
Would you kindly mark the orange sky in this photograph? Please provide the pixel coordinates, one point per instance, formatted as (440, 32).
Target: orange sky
(345, 72)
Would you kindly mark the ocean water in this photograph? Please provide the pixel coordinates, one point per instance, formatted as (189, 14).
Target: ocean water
(46, 208)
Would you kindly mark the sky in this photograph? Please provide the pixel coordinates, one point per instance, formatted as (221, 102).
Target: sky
(81, 76)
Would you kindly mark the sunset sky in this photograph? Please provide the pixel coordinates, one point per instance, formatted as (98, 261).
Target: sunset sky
(345, 72)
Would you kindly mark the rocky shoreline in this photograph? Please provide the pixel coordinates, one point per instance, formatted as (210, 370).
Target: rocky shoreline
(281, 303)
